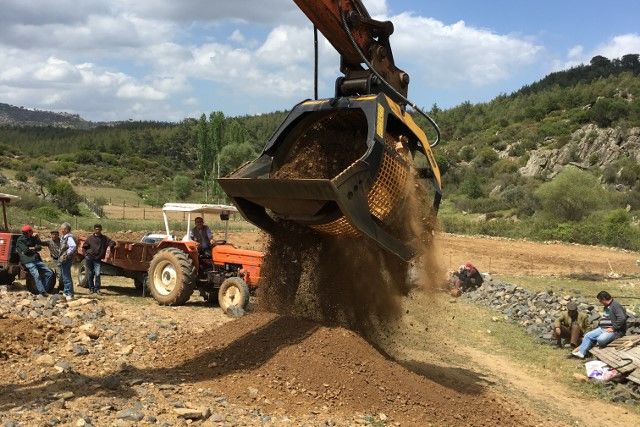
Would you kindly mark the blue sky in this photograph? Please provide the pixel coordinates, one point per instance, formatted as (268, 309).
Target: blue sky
(166, 60)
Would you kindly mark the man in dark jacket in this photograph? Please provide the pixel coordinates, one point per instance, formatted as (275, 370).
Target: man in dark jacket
(28, 246)
(95, 249)
(612, 325)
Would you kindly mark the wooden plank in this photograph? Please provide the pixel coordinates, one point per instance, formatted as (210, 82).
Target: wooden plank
(634, 376)
(614, 359)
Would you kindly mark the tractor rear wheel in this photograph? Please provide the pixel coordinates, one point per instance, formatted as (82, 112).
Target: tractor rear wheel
(233, 292)
(172, 277)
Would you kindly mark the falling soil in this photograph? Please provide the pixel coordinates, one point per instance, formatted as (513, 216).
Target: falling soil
(327, 148)
(346, 280)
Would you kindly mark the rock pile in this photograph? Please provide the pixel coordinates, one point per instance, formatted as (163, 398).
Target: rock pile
(535, 311)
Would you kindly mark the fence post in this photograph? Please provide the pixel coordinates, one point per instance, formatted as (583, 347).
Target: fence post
(123, 203)
(144, 213)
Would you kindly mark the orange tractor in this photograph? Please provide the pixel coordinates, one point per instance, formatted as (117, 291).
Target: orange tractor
(9, 263)
(171, 269)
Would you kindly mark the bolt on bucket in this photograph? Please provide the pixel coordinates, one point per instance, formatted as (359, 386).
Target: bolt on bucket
(339, 167)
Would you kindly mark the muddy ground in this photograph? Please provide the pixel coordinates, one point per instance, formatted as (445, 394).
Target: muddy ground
(123, 360)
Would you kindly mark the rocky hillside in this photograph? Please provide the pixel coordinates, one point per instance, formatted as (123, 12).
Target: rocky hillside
(19, 116)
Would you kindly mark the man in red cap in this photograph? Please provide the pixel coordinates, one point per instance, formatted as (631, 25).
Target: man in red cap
(28, 246)
(468, 277)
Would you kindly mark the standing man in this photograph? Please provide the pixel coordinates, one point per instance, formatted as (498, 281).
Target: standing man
(203, 235)
(28, 246)
(53, 243)
(570, 325)
(68, 249)
(613, 324)
(95, 249)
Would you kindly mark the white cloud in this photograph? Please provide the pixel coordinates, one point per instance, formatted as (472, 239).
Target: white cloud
(616, 47)
(57, 70)
(237, 36)
(449, 55)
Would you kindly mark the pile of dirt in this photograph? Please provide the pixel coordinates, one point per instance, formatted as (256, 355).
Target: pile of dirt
(297, 366)
(19, 337)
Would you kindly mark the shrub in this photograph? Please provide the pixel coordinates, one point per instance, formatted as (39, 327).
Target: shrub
(22, 177)
(64, 196)
(182, 186)
(571, 195)
(48, 213)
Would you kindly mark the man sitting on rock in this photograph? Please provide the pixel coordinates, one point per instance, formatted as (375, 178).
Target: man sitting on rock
(467, 278)
(612, 325)
(570, 325)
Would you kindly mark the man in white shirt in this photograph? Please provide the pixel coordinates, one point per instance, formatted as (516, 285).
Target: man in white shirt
(68, 248)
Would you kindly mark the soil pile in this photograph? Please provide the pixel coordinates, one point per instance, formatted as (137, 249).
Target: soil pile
(298, 366)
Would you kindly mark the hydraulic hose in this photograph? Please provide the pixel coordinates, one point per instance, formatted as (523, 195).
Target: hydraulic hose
(345, 25)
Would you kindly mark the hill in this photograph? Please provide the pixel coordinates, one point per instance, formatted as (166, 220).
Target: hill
(20, 116)
(557, 159)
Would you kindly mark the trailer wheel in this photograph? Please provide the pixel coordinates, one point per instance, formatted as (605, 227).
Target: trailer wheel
(233, 292)
(48, 287)
(141, 282)
(171, 277)
(83, 279)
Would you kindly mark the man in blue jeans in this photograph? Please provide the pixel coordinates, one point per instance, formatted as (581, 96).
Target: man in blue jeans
(95, 249)
(612, 325)
(27, 247)
(67, 252)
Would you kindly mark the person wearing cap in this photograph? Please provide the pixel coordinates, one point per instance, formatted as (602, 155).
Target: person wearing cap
(571, 325)
(203, 235)
(27, 246)
(468, 277)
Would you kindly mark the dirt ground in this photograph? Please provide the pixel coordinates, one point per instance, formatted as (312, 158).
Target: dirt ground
(266, 369)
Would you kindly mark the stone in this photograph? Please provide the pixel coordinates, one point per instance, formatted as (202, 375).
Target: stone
(80, 350)
(80, 302)
(235, 311)
(189, 413)
(127, 349)
(152, 336)
(253, 392)
(130, 414)
(45, 360)
(90, 330)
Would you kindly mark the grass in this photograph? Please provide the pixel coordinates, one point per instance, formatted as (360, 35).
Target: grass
(511, 340)
(115, 196)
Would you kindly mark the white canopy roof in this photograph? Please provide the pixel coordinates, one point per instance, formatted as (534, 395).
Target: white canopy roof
(200, 208)
(10, 197)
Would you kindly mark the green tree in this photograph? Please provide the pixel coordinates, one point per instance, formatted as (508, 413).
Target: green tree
(64, 196)
(182, 186)
(233, 155)
(571, 195)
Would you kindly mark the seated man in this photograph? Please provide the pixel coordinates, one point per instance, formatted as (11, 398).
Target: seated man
(612, 325)
(570, 325)
(27, 247)
(468, 277)
(203, 236)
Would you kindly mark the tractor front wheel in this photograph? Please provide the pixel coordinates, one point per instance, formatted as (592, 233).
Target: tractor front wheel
(233, 292)
(172, 277)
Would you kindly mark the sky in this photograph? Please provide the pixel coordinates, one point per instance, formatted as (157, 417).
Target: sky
(166, 60)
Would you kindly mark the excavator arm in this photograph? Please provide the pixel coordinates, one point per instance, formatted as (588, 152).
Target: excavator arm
(358, 38)
(343, 166)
